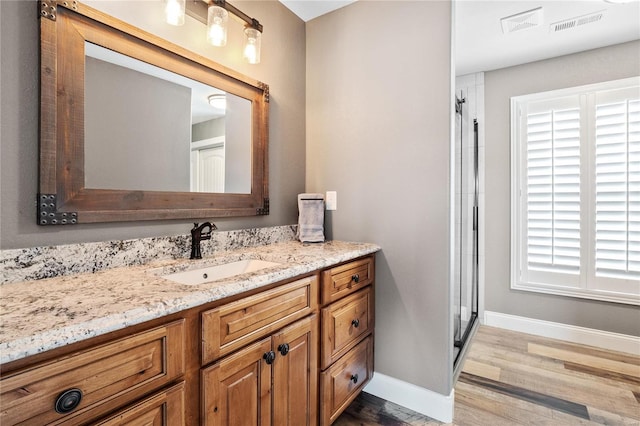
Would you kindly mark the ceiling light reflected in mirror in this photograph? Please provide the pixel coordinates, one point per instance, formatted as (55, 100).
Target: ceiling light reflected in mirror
(218, 101)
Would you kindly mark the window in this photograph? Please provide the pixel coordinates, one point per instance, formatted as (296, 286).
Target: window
(575, 179)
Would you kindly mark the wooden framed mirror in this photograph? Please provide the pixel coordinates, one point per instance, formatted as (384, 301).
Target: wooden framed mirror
(105, 154)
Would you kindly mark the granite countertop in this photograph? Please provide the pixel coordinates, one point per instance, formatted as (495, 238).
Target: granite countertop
(36, 316)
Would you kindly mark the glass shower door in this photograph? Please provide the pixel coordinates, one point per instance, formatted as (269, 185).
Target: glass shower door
(465, 309)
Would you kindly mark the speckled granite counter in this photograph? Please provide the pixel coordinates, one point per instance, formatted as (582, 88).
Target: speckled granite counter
(36, 316)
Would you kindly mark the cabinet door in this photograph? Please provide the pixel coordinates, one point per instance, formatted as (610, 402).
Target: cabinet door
(344, 324)
(295, 374)
(165, 408)
(343, 381)
(237, 389)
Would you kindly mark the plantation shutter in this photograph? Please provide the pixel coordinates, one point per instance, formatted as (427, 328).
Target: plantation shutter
(617, 180)
(553, 190)
(575, 194)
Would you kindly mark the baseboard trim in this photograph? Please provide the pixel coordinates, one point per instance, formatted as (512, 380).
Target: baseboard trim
(570, 333)
(424, 401)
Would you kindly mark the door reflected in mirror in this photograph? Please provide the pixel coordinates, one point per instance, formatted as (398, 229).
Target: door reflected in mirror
(149, 129)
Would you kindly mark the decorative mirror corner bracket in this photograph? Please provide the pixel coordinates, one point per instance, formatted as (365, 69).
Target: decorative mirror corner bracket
(265, 88)
(48, 9)
(48, 214)
(72, 4)
(264, 210)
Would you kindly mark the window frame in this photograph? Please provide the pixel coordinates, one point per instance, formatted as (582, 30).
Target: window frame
(583, 284)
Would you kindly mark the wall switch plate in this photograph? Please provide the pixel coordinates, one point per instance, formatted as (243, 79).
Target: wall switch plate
(331, 200)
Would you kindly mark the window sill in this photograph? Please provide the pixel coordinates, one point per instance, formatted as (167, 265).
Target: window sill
(598, 295)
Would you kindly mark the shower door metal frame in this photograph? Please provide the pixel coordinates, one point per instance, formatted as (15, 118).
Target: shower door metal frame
(473, 319)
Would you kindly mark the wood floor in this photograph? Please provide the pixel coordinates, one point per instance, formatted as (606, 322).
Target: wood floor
(512, 378)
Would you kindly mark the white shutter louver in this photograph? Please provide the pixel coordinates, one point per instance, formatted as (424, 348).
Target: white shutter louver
(617, 204)
(553, 191)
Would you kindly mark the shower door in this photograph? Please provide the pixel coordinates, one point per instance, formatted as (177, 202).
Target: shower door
(465, 309)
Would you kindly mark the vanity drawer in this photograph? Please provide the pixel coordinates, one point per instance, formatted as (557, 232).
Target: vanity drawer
(234, 325)
(344, 323)
(345, 279)
(106, 377)
(341, 383)
(164, 408)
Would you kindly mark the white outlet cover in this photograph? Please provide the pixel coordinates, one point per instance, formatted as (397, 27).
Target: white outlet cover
(331, 200)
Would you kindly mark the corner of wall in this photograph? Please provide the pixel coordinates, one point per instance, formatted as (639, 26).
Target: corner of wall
(416, 398)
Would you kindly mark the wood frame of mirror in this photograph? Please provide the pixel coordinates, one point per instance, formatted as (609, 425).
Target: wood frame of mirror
(62, 198)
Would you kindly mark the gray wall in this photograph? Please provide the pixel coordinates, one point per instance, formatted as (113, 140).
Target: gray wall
(378, 133)
(137, 130)
(207, 129)
(237, 146)
(598, 65)
(282, 67)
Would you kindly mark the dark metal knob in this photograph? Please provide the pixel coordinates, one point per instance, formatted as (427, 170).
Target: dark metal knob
(355, 278)
(269, 357)
(283, 349)
(355, 323)
(68, 400)
(354, 378)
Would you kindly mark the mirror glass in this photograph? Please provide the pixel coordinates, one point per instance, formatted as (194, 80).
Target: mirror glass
(150, 129)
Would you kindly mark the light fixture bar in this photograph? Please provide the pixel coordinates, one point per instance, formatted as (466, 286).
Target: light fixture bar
(197, 9)
(253, 23)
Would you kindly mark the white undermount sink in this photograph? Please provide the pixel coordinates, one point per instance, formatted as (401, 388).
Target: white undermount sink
(209, 274)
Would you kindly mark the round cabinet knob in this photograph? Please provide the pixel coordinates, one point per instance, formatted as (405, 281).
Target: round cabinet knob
(68, 400)
(355, 323)
(354, 378)
(283, 349)
(355, 278)
(269, 357)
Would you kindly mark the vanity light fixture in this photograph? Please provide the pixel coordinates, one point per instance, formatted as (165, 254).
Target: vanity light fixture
(215, 14)
(218, 101)
(217, 18)
(174, 12)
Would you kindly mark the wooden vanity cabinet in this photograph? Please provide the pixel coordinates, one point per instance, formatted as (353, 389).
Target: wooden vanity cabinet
(273, 380)
(86, 385)
(294, 353)
(347, 324)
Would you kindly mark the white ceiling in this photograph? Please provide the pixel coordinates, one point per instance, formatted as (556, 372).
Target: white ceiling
(309, 9)
(482, 46)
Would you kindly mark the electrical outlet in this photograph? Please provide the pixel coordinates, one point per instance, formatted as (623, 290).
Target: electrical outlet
(331, 200)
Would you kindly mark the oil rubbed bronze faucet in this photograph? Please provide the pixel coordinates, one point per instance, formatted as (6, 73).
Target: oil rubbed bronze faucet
(198, 234)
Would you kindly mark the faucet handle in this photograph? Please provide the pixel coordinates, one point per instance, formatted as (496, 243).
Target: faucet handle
(210, 227)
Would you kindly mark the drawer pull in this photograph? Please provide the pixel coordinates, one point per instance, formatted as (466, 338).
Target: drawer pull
(355, 323)
(355, 278)
(354, 378)
(283, 349)
(269, 357)
(68, 400)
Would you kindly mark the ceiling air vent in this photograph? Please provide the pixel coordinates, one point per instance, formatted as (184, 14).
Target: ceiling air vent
(522, 21)
(567, 24)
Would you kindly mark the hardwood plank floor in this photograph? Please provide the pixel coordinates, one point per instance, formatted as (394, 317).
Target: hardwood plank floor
(512, 378)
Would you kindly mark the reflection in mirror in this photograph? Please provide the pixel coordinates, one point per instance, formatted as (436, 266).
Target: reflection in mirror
(149, 129)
